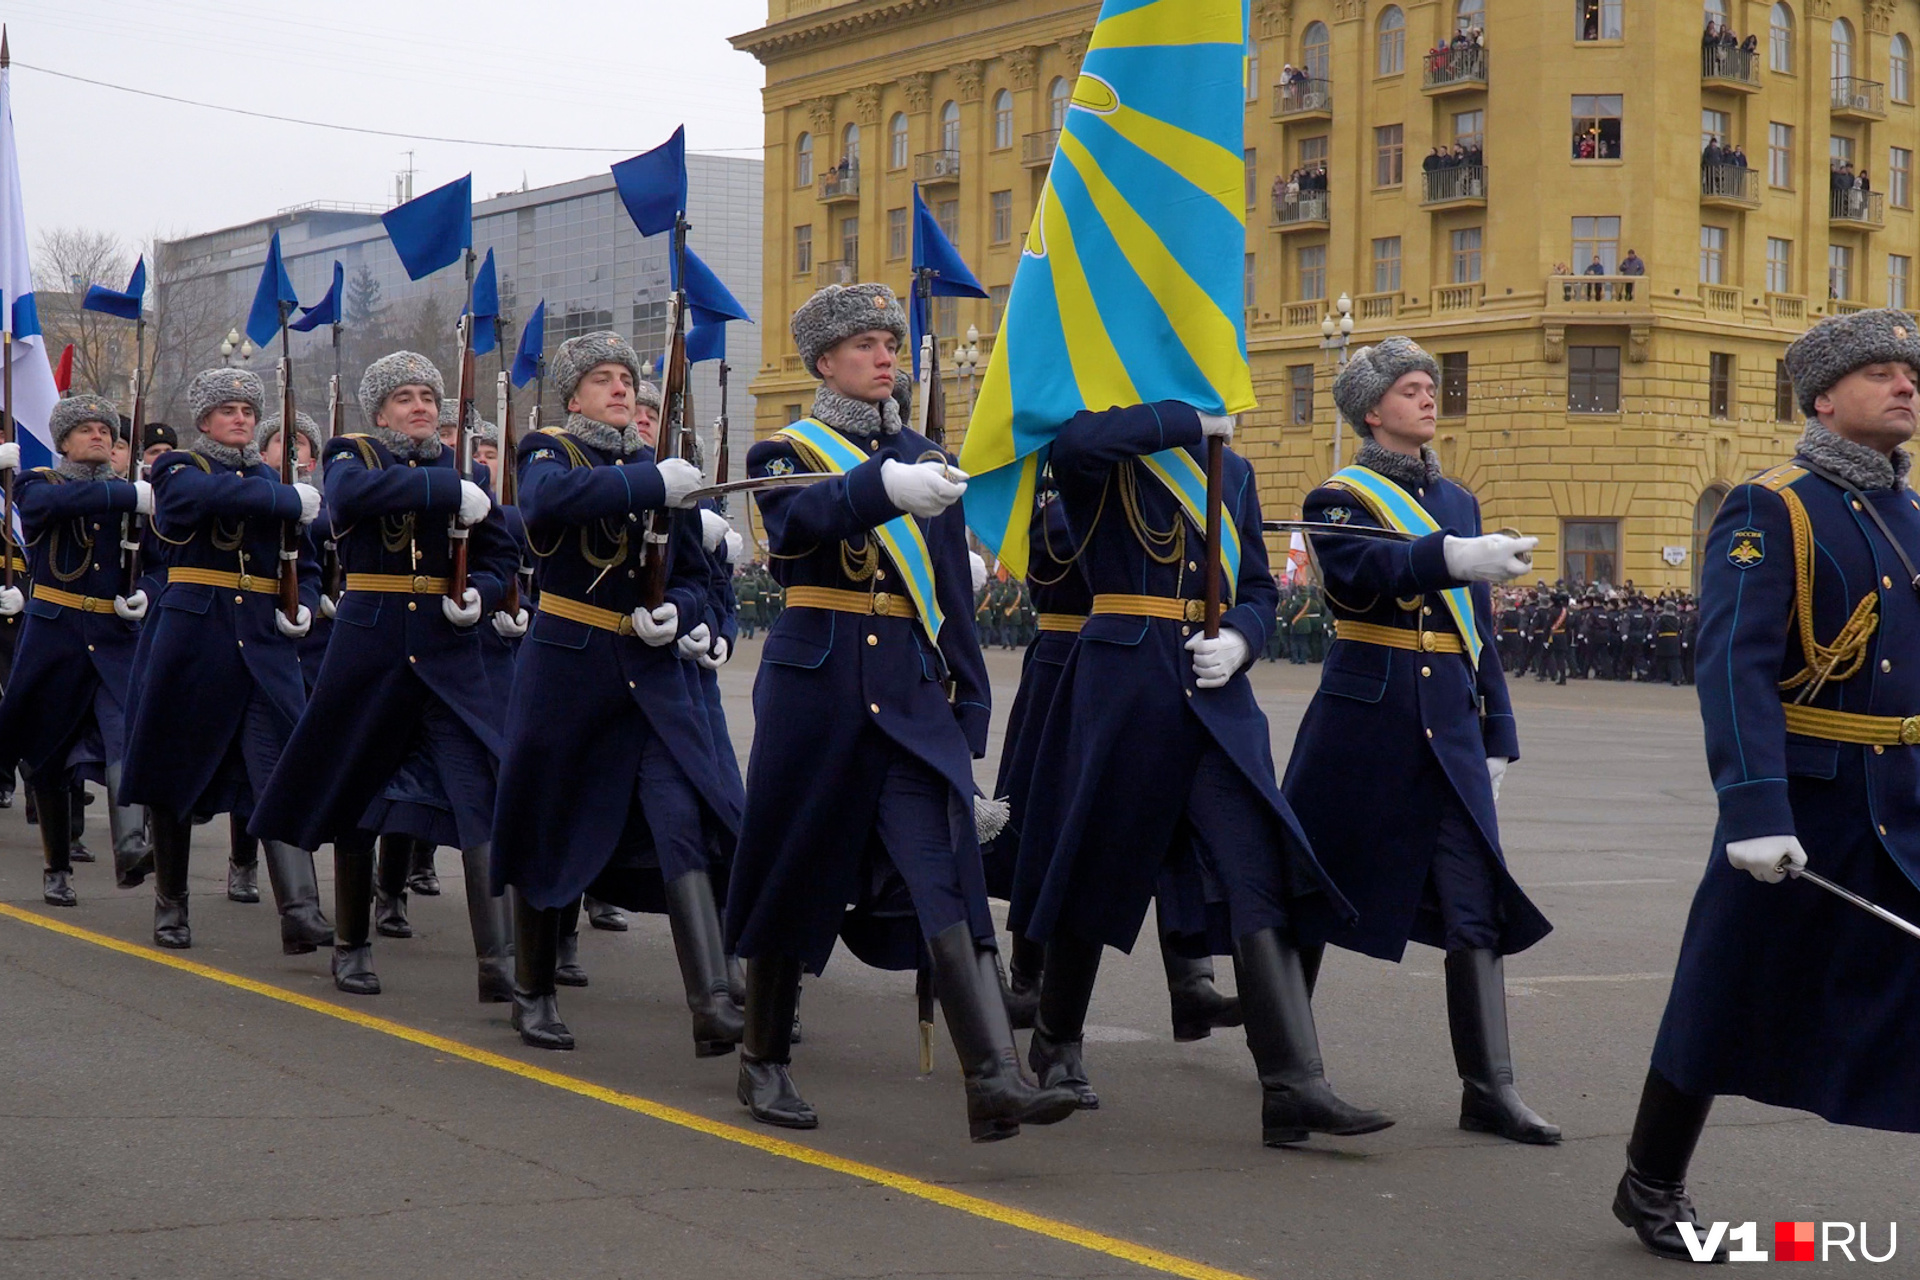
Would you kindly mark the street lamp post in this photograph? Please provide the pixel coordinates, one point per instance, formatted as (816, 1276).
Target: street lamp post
(234, 344)
(1336, 331)
(966, 363)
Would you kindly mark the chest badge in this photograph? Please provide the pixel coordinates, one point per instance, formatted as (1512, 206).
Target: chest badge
(1748, 548)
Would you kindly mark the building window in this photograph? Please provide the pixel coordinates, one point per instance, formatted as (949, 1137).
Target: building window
(1386, 265)
(1899, 272)
(1596, 126)
(1002, 120)
(1470, 129)
(1391, 47)
(850, 244)
(794, 413)
(1313, 151)
(1840, 149)
(1780, 39)
(1596, 241)
(1253, 70)
(803, 251)
(1250, 164)
(1313, 273)
(897, 141)
(946, 317)
(950, 127)
(899, 240)
(1900, 177)
(1389, 144)
(947, 214)
(1465, 247)
(1000, 217)
(1839, 272)
(1598, 20)
(1592, 552)
(1593, 379)
(1059, 94)
(803, 161)
(1841, 64)
(996, 305)
(1900, 69)
(1780, 155)
(1316, 49)
(1719, 385)
(1468, 15)
(1779, 265)
(1704, 512)
(1715, 126)
(850, 147)
(1715, 11)
(1248, 294)
(1300, 385)
(1713, 255)
(1453, 384)
(1783, 402)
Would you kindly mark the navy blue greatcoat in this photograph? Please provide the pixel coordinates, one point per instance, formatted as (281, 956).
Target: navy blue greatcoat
(1783, 993)
(1416, 728)
(1136, 763)
(216, 688)
(860, 781)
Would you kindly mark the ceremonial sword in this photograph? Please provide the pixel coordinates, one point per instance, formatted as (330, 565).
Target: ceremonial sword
(1366, 531)
(753, 483)
(1899, 922)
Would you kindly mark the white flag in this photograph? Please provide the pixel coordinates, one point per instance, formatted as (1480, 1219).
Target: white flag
(33, 390)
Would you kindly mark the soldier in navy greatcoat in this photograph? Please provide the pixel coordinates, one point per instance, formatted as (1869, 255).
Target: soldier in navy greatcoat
(1810, 693)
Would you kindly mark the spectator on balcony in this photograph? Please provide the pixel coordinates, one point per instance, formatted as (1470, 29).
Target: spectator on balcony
(1285, 192)
(1750, 46)
(1711, 36)
(1476, 154)
(1596, 292)
(1737, 157)
(1714, 155)
(1434, 160)
(1631, 265)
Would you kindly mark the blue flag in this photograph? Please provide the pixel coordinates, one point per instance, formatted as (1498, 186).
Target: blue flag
(707, 340)
(712, 302)
(486, 308)
(533, 342)
(932, 251)
(653, 185)
(325, 311)
(275, 288)
(434, 230)
(114, 302)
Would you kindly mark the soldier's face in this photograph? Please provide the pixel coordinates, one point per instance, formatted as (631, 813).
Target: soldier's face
(89, 442)
(302, 456)
(646, 420)
(486, 453)
(1873, 405)
(152, 452)
(412, 410)
(605, 395)
(230, 424)
(862, 366)
(1405, 417)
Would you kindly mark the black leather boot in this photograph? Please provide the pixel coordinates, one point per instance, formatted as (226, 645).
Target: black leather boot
(766, 1046)
(132, 853)
(1000, 1098)
(1066, 987)
(423, 879)
(243, 862)
(172, 839)
(1296, 1098)
(391, 866)
(78, 798)
(567, 971)
(296, 895)
(536, 951)
(736, 982)
(1024, 966)
(1652, 1197)
(1477, 1019)
(56, 845)
(353, 914)
(702, 951)
(604, 915)
(1198, 1006)
(491, 919)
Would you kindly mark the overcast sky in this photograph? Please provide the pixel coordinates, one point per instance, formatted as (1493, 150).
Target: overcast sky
(613, 75)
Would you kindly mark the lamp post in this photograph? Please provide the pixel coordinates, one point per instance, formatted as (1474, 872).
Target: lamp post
(1336, 331)
(234, 344)
(966, 363)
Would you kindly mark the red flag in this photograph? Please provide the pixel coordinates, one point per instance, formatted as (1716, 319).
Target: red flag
(63, 372)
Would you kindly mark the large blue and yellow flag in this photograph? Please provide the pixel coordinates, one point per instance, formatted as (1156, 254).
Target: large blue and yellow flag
(1130, 288)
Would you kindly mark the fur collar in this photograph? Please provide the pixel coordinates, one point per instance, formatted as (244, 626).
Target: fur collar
(227, 456)
(403, 446)
(1411, 474)
(1858, 465)
(619, 442)
(856, 417)
(86, 470)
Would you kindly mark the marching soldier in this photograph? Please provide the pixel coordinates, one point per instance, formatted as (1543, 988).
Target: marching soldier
(1808, 689)
(1637, 657)
(1413, 700)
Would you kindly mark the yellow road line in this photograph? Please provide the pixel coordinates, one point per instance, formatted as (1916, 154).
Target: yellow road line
(1051, 1228)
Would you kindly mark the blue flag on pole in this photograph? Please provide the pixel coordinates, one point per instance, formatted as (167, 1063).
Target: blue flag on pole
(325, 311)
(533, 342)
(712, 302)
(434, 230)
(115, 302)
(653, 185)
(486, 308)
(275, 288)
(932, 251)
(707, 341)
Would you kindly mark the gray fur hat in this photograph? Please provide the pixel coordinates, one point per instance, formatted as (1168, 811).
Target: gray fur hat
(74, 410)
(1838, 345)
(390, 373)
(577, 357)
(647, 395)
(270, 427)
(839, 311)
(478, 427)
(212, 388)
(903, 393)
(1371, 373)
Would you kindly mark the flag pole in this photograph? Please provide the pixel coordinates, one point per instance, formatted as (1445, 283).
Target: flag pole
(1216, 462)
(6, 418)
(289, 454)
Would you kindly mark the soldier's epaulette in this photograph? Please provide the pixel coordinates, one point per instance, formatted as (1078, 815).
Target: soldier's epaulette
(1780, 477)
(575, 458)
(361, 443)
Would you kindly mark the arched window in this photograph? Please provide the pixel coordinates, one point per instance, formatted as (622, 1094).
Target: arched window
(1469, 14)
(803, 161)
(1900, 68)
(1703, 513)
(950, 126)
(1059, 93)
(1842, 65)
(1002, 120)
(1716, 13)
(1392, 42)
(897, 141)
(1316, 50)
(1780, 38)
(850, 145)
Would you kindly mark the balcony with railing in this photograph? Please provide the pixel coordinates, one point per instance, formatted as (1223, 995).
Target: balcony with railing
(1841, 307)
(1596, 295)
(1857, 99)
(1453, 186)
(1303, 99)
(1729, 186)
(1305, 210)
(1377, 306)
(1301, 315)
(1720, 300)
(936, 168)
(834, 271)
(838, 186)
(1852, 207)
(1036, 149)
(1730, 67)
(1455, 70)
(1458, 297)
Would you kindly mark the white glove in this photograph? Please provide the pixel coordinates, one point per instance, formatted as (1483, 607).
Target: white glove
(1766, 858)
(1215, 660)
(475, 503)
(466, 612)
(1496, 770)
(682, 478)
(510, 626)
(142, 498)
(1491, 557)
(736, 546)
(1212, 424)
(717, 657)
(130, 608)
(713, 529)
(694, 643)
(328, 606)
(309, 502)
(10, 456)
(979, 566)
(298, 628)
(12, 601)
(658, 626)
(923, 489)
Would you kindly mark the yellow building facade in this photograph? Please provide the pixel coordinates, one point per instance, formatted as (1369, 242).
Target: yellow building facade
(1606, 413)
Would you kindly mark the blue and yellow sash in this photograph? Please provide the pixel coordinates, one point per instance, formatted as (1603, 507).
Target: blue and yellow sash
(1186, 480)
(1395, 508)
(828, 450)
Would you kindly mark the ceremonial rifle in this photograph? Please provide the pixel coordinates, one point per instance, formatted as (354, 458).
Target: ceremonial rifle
(9, 548)
(504, 478)
(930, 413)
(330, 582)
(462, 454)
(677, 406)
(290, 532)
(130, 522)
(720, 456)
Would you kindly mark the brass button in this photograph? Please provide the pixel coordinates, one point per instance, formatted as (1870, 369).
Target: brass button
(1426, 611)
(241, 643)
(874, 707)
(412, 462)
(1426, 671)
(1856, 504)
(89, 648)
(239, 599)
(629, 573)
(1186, 631)
(1879, 750)
(1886, 582)
(1886, 664)
(880, 575)
(873, 639)
(411, 658)
(630, 684)
(1192, 567)
(1189, 693)
(412, 606)
(1429, 733)
(1883, 828)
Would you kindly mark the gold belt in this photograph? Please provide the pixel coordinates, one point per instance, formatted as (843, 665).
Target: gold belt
(1397, 637)
(879, 603)
(1170, 607)
(591, 615)
(1849, 726)
(68, 600)
(221, 578)
(398, 584)
(1071, 622)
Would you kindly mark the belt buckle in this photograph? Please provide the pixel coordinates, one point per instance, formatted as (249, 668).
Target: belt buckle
(91, 604)
(1429, 642)
(1195, 610)
(625, 626)
(1910, 732)
(420, 584)
(882, 604)
(245, 582)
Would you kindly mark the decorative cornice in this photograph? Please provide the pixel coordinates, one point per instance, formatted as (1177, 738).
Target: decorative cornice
(1021, 66)
(918, 87)
(1350, 10)
(866, 104)
(1273, 19)
(1075, 47)
(1879, 16)
(971, 77)
(820, 113)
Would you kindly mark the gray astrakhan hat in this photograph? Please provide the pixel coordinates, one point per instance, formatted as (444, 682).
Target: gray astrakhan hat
(1838, 345)
(837, 312)
(1371, 373)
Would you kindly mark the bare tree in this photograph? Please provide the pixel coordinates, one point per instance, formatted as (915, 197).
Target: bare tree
(66, 261)
(191, 314)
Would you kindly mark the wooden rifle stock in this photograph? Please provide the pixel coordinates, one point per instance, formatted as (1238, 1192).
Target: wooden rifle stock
(330, 576)
(506, 485)
(8, 548)
(129, 523)
(678, 414)
(289, 453)
(931, 411)
(463, 405)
